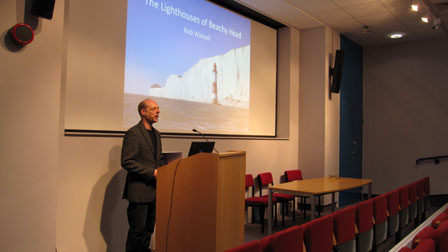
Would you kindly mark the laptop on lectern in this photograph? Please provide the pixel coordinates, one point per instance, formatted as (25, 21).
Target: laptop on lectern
(198, 147)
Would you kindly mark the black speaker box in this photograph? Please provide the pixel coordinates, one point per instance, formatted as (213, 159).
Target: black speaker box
(43, 8)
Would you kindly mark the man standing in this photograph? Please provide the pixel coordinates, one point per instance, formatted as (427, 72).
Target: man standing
(140, 156)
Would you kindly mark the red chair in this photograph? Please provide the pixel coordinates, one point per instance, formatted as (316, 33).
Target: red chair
(439, 219)
(253, 246)
(365, 222)
(421, 200)
(427, 191)
(290, 239)
(423, 246)
(413, 198)
(265, 179)
(344, 223)
(318, 234)
(404, 205)
(405, 249)
(292, 175)
(393, 220)
(426, 233)
(380, 215)
(441, 237)
(260, 202)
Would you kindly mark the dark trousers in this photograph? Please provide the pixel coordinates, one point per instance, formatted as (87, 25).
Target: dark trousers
(141, 219)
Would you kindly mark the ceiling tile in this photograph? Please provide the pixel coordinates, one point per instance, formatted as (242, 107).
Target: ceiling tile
(348, 3)
(296, 1)
(313, 6)
(284, 12)
(398, 5)
(331, 16)
(365, 39)
(367, 9)
(347, 26)
(382, 19)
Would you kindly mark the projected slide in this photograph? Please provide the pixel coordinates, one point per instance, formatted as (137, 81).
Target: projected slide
(193, 58)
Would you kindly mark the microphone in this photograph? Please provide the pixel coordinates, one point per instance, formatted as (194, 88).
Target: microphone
(203, 136)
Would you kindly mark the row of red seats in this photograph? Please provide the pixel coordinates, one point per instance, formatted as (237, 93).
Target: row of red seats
(361, 227)
(336, 230)
(433, 238)
(398, 208)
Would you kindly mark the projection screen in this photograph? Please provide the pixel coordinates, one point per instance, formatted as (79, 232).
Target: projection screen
(207, 67)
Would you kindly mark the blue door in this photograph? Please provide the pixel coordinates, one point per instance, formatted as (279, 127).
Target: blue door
(350, 145)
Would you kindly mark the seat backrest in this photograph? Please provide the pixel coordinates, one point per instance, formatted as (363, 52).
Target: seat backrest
(420, 188)
(253, 246)
(265, 179)
(439, 219)
(249, 180)
(290, 239)
(427, 245)
(426, 186)
(441, 237)
(364, 215)
(318, 234)
(413, 193)
(423, 246)
(380, 208)
(292, 175)
(426, 233)
(393, 202)
(405, 249)
(404, 197)
(344, 224)
(250, 183)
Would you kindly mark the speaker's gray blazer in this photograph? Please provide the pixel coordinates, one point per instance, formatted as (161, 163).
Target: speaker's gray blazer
(140, 159)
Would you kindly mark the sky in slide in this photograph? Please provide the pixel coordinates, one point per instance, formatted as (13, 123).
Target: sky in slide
(169, 37)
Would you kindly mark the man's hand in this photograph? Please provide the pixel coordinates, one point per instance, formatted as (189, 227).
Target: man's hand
(155, 173)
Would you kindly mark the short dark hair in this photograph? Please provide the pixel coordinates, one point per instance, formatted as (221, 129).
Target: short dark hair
(141, 105)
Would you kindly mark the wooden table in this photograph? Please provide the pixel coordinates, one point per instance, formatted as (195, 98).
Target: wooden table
(315, 187)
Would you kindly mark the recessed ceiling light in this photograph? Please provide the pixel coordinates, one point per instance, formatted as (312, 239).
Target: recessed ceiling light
(396, 35)
(414, 7)
(425, 19)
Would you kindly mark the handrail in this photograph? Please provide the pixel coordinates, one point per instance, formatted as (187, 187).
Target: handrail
(435, 158)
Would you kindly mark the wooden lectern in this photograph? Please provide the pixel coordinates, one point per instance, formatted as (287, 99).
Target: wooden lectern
(200, 203)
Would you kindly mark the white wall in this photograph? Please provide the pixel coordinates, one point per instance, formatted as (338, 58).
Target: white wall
(29, 131)
(65, 192)
(319, 115)
(312, 102)
(332, 115)
(405, 114)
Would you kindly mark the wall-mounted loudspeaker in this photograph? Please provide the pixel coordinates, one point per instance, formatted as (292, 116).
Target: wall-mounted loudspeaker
(22, 34)
(43, 8)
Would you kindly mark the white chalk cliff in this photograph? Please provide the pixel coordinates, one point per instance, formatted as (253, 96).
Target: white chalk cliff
(196, 84)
